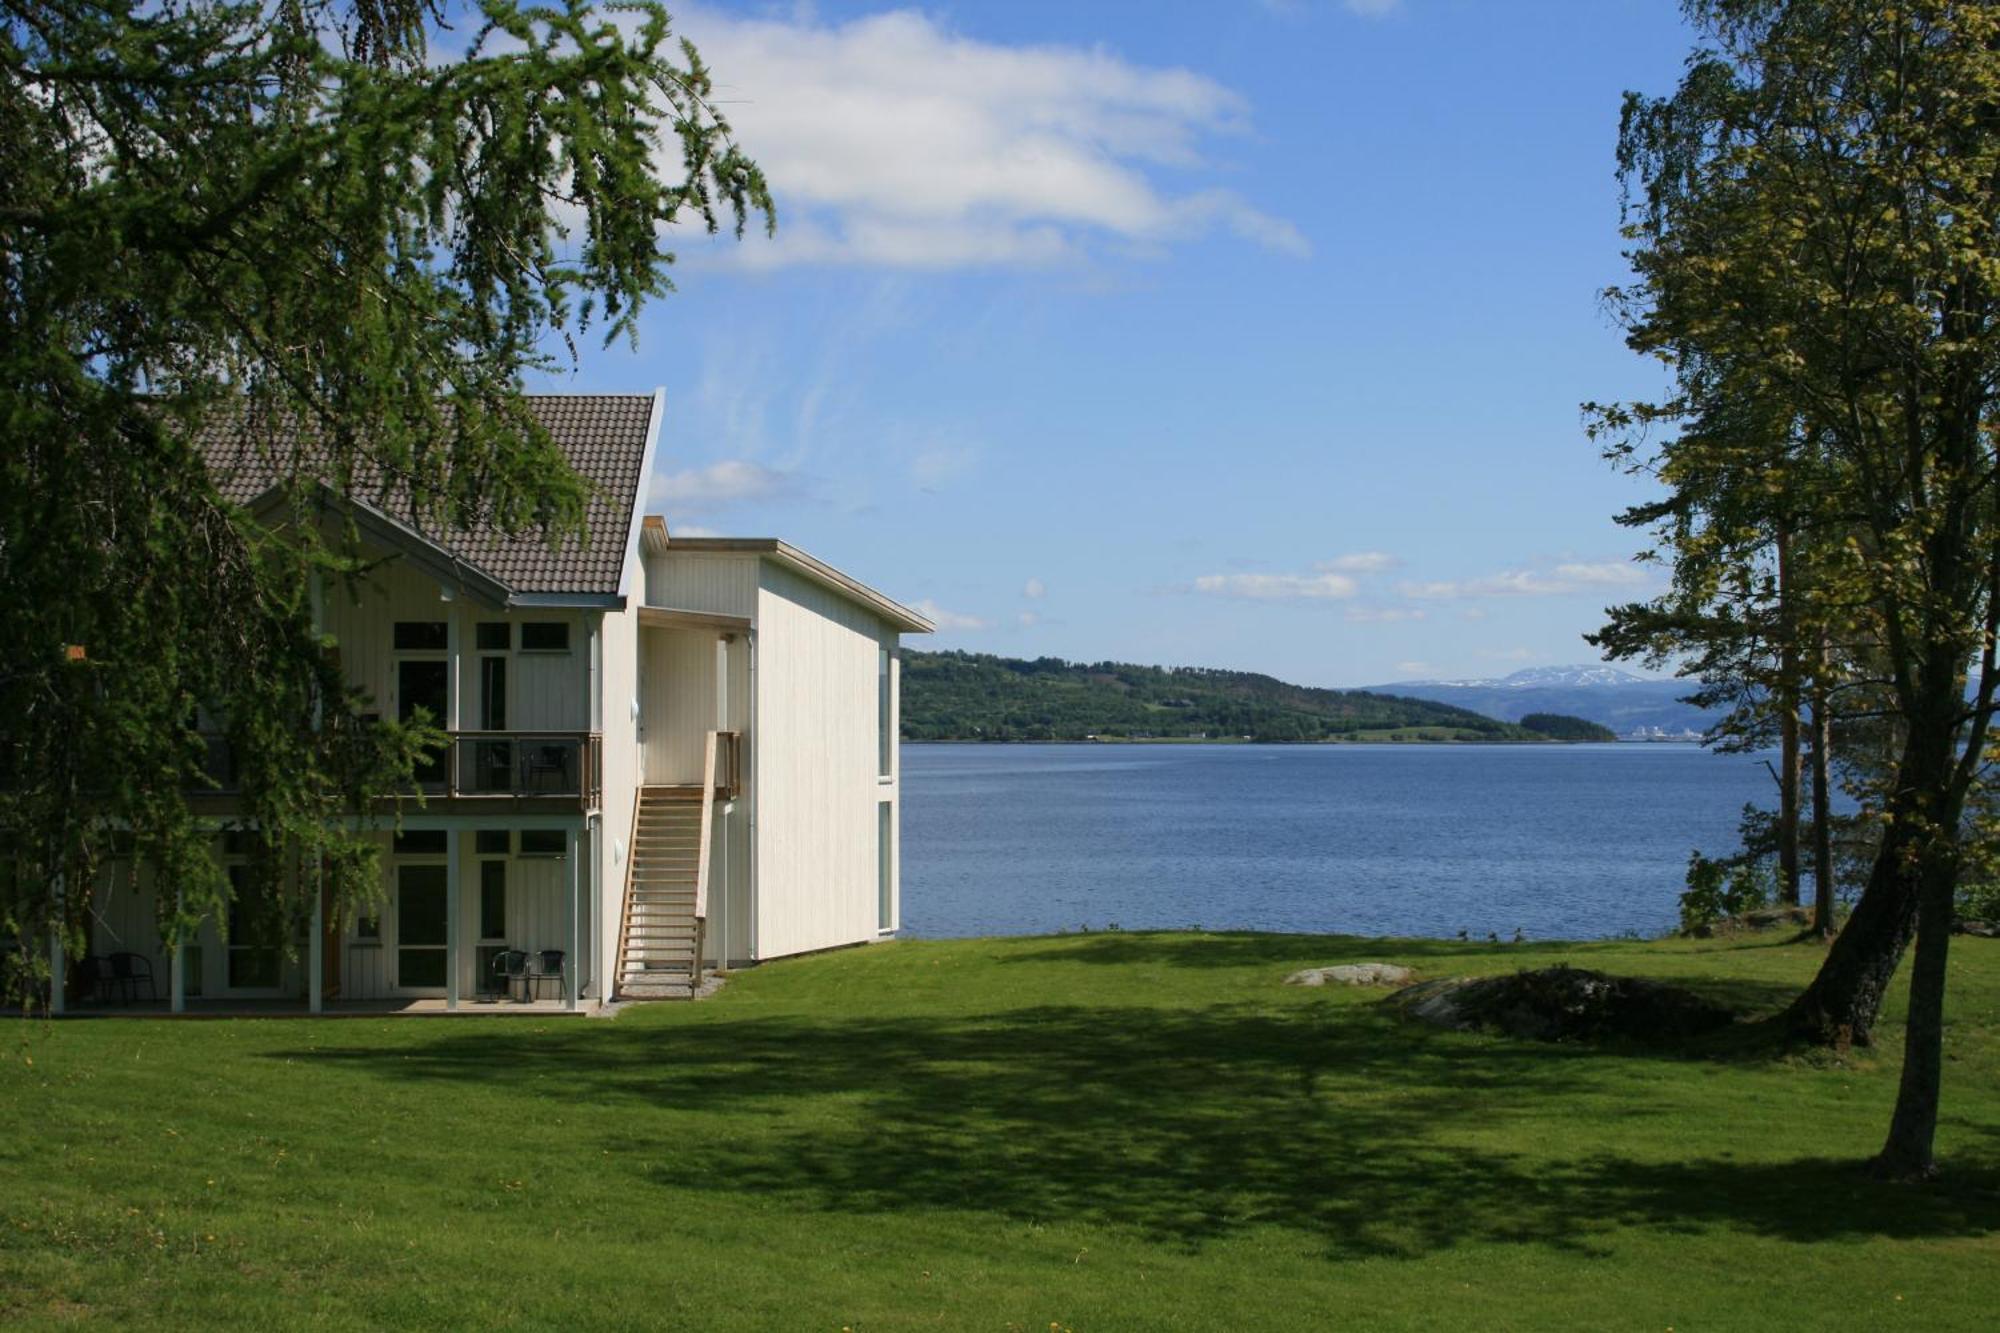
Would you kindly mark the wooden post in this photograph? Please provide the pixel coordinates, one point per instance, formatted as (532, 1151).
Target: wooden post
(58, 975)
(451, 918)
(316, 946)
(177, 998)
(571, 968)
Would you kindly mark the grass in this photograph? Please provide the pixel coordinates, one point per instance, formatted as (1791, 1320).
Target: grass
(1110, 1131)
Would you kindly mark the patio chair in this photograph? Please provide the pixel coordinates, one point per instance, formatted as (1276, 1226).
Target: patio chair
(95, 979)
(545, 768)
(128, 970)
(546, 966)
(510, 966)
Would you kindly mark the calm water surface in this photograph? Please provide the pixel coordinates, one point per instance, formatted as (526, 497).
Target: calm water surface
(1571, 841)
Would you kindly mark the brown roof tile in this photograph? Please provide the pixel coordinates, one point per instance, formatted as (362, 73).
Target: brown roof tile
(604, 436)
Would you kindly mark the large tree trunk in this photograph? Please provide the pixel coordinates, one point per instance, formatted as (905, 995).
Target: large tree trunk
(1788, 803)
(1843, 1001)
(1787, 699)
(1906, 1155)
(1822, 814)
(1840, 1006)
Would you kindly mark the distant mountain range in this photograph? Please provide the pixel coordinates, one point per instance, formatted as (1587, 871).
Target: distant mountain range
(1613, 698)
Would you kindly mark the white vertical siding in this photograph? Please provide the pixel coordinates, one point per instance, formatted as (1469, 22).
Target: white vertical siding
(721, 583)
(619, 691)
(551, 690)
(817, 779)
(546, 691)
(679, 705)
(892, 790)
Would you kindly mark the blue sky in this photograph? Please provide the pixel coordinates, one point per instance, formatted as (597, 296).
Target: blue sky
(1243, 335)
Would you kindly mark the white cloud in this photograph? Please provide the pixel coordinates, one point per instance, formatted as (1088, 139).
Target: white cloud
(1508, 654)
(1028, 619)
(892, 140)
(1277, 587)
(691, 530)
(1373, 8)
(944, 619)
(1561, 580)
(724, 482)
(1415, 668)
(1385, 615)
(1360, 562)
(1034, 589)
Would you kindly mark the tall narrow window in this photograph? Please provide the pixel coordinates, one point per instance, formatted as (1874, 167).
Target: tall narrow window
(885, 731)
(492, 900)
(885, 869)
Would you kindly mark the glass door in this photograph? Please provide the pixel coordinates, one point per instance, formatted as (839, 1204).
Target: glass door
(425, 683)
(420, 927)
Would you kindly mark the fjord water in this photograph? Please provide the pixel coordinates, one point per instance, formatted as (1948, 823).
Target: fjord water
(1558, 841)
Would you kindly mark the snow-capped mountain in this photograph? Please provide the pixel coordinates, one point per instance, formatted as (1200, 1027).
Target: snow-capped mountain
(1618, 699)
(1529, 678)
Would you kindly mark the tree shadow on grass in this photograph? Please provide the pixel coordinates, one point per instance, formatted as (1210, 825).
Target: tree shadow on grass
(1186, 1126)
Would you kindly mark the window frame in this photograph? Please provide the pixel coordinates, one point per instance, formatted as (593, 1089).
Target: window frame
(529, 626)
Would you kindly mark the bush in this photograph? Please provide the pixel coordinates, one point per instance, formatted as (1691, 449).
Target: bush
(1717, 890)
(1979, 902)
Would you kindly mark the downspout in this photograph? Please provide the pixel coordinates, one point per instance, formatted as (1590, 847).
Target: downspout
(750, 780)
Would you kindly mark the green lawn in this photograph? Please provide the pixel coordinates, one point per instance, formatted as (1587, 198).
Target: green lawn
(1113, 1131)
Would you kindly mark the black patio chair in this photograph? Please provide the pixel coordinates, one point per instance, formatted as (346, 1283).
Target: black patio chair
(128, 970)
(545, 768)
(547, 966)
(510, 966)
(95, 980)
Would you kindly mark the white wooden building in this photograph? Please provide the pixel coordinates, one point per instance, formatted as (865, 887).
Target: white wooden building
(663, 749)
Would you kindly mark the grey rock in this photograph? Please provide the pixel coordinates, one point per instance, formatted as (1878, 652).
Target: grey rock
(1351, 974)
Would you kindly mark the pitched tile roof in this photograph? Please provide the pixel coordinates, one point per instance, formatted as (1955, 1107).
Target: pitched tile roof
(604, 437)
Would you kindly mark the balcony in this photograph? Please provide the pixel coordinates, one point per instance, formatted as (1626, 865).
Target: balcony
(519, 764)
(556, 771)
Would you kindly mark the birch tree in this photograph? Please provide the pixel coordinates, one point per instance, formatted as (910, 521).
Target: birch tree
(1813, 221)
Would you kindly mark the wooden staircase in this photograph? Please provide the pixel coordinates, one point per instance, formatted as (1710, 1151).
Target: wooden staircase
(666, 885)
(661, 937)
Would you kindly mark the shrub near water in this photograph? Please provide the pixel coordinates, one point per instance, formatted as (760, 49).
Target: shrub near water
(1717, 890)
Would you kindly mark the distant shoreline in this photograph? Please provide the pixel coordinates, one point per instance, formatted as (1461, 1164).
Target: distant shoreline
(1239, 740)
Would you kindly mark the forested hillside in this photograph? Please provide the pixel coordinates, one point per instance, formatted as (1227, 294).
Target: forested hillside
(975, 696)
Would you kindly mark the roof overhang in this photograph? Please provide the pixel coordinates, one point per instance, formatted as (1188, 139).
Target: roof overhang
(433, 559)
(798, 562)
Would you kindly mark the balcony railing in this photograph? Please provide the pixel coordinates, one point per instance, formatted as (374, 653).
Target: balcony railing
(525, 763)
(483, 765)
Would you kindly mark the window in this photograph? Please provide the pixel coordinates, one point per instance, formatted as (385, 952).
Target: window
(420, 636)
(492, 900)
(491, 842)
(543, 842)
(494, 636)
(885, 741)
(545, 636)
(420, 842)
(885, 829)
(493, 694)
